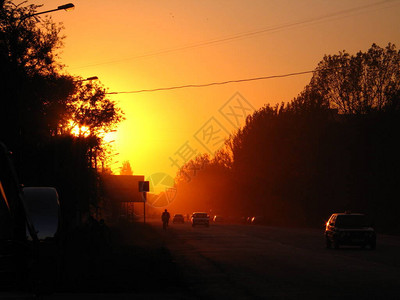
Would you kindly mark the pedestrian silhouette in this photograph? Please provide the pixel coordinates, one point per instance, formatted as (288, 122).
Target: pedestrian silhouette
(165, 219)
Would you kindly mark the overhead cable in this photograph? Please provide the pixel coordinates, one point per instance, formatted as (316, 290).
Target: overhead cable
(271, 29)
(211, 83)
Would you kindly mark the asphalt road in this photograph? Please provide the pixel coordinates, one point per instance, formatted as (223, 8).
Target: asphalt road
(257, 262)
(232, 261)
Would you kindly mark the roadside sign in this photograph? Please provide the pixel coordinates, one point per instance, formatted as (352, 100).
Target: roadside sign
(144, 186)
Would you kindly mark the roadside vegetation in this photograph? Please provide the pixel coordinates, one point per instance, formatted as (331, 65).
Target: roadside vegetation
(52, 122)
(332, 148)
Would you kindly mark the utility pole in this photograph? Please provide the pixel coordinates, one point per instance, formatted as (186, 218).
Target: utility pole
(144, 207)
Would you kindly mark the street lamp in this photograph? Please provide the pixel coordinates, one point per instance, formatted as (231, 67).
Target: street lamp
(66, 7)
(92, 78)
(86, 79)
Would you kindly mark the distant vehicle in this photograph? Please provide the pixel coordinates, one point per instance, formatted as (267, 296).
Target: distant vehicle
(351, 229)
(200, 218)
(257, 220)
(243, 220)
(218, 219)
(178, 218)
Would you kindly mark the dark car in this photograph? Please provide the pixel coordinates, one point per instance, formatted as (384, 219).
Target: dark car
(178, 218)
(350, 229)
(200, 218)
(218, 219)
(257, 220)
(29, 232)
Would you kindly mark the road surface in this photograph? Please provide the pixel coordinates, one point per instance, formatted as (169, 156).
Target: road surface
(232, 261)
(258, 262)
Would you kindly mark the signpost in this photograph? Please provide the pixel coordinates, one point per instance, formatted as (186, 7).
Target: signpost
(144, 187)
(124, 191)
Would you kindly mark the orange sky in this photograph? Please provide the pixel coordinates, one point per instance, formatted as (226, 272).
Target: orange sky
(134, 45)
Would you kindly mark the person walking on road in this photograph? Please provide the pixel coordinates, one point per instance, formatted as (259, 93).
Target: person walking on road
(165, 219)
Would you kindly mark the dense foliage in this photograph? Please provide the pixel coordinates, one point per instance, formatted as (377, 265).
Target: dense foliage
(333, 148)
(42, 108)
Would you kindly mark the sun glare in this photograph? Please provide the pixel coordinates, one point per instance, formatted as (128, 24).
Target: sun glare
(77, 130)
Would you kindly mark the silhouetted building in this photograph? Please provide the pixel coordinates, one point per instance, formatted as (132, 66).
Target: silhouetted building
(120, 192)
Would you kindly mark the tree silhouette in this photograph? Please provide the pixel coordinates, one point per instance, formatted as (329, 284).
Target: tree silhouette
(41, 105)
(126, 168)
(332, 148)
(361, 83)
(89, 107)
(28, 74)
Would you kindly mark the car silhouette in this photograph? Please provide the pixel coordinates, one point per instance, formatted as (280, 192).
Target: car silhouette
(200, 218)
(257, 220)
(218, 219)
(350, 229)
(178, 218)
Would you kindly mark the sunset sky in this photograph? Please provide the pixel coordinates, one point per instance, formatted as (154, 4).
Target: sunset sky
(135, 45)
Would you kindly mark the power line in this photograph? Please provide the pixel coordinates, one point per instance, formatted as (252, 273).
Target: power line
(211, 83)
(322, 18)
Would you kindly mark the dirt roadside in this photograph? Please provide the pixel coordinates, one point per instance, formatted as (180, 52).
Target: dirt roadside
(125, 258)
